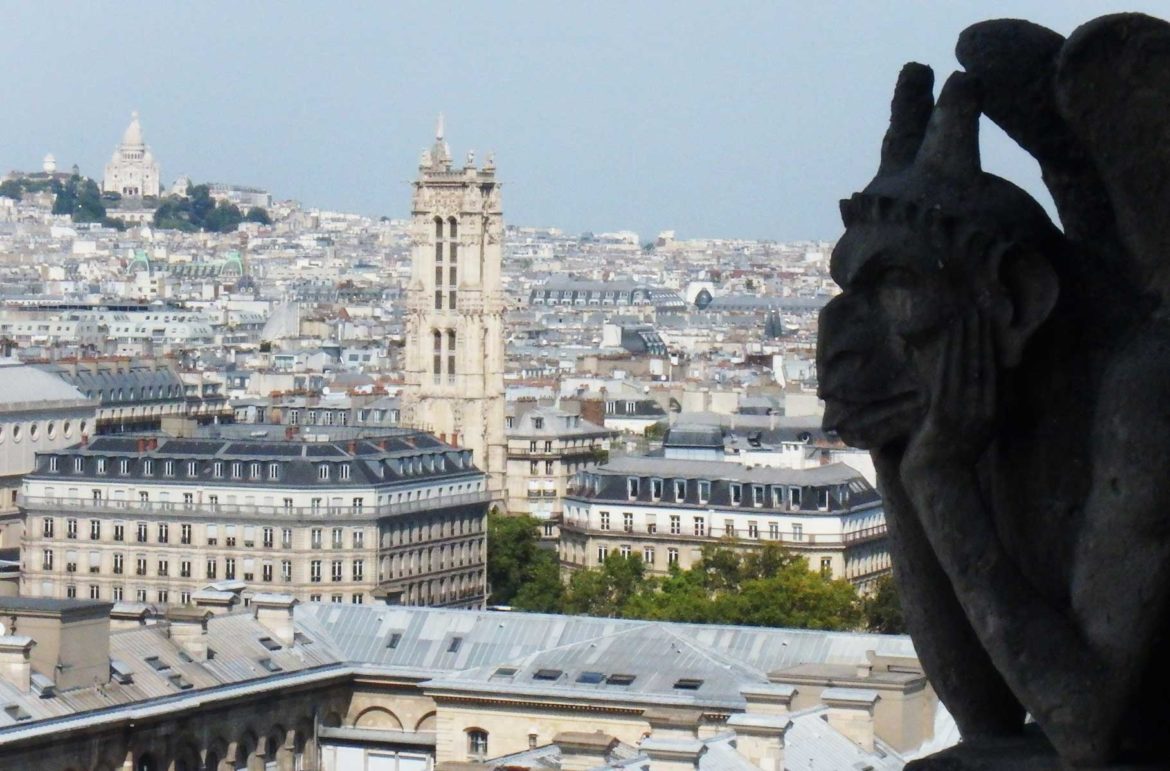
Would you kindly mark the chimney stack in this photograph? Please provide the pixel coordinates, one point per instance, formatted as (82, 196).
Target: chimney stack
(188, 628)
(851, 713)
(15, 664)
(760, 730)
(275, 613)
(581, 751)
(673, 743)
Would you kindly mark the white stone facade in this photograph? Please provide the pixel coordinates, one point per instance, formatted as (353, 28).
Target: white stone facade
(454, 336)
(132, 171)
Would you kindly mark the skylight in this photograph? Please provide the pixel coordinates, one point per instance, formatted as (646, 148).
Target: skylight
(504, 672)
(620, 679)
(270, 644)
(591, 678)
(688, 684)
(392, 643)
(547, 674)
(455, 643)
(271, 665)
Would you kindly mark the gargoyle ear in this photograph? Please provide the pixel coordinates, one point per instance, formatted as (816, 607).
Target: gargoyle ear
(1029, 291)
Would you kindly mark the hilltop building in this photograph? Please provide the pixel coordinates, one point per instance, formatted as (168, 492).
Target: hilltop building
(132, 171)
(454, 329)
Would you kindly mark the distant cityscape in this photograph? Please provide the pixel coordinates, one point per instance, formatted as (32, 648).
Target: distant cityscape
(251, 452)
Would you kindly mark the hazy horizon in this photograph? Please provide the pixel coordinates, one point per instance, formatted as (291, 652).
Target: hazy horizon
(744, 120)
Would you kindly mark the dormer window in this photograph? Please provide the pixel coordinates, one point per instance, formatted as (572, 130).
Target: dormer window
(101, 465)
(680, 489)
(323, 471)
(273, 470)
(52, 463)
(255, 471)
(794, 497)
(148, 467)
(632, 487)
(538, 423)
(237, 469)
(823, 498)
(343, 471)
(217, 469)
(656, 489)
(736, 493)
(704, 491)
(78, 465)
(757, 495)
(192, 468)
(168, 468)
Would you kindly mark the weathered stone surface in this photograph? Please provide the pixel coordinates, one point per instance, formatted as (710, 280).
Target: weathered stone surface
(1012, 382)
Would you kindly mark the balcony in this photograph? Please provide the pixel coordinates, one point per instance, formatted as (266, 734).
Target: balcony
(220, 511)
(864, 535)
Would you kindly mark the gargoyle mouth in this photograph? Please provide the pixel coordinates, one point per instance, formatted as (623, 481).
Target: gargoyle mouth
(859, 418)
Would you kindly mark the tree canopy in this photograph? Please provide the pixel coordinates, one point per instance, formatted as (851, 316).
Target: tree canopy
(197, 210)
(766, 587)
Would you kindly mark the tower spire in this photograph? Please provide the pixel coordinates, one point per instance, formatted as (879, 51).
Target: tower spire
(439, 129)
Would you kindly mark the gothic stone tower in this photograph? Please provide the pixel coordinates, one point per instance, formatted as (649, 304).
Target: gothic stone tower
(454, 333)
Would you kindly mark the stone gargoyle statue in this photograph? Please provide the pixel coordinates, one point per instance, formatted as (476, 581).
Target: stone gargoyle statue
(1011, 380)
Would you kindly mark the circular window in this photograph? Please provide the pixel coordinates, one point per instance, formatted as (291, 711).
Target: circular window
(1, 432)
(51, 430)
(16, 432)
(34, 431)
(82, 428)
(67, 429)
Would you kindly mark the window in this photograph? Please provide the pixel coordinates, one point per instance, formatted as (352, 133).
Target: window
(47, 559)
(101, 465)
(359, 539)
(95, 530)
(736, 493)
(656, 489)
(680, 489)
(798, 532)
(119, 531)
(266, 571)
(237, 469)
(628, 522)
(47, 527)
(52, 463)
(648, 555)
(188, 500)
(336, 540)
(143, 496)
(185, 534)
(632, 487)
(548, 467)
(323, 471)
(229, 568)
(757, 495)
(315, 571)
(140, 566)
(602, 553)
(729, 528)
(212, 535)
(827, 566)
(71, 528)
(217, 469)
(95, 593)
(604, 520)
(78, 465)
(315, 538)
(704, 491)
(211, 566)
(675, 524)
(273, 470)
(268, 537)
(823, 498)
(185, 569)
(164, 567)
(168, 468)
(118, 563)
(700, 526)
(141, 532)
(359, 570)
(254, 470)
(148, 467)
(624, 550)
(753, 530)
(343, 471)
(532, 446)
(774, 531)
(672, 556)
(140, 595)
(477, 743)
(794, 497)
(286, 538)
(71, 591)
(335, 573)
(192, 468)
(164, 532)
(286, 570)
(548, 446)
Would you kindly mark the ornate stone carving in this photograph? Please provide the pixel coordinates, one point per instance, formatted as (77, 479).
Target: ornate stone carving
(1012, 383)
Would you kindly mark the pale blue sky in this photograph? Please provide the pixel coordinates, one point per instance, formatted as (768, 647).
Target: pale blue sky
(714, 119)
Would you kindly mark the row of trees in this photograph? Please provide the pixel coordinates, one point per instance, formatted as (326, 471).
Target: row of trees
(765, 587)
(197, 210)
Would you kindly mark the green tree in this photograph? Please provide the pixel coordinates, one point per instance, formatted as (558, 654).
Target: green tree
(542, 590)
(258, 214)
(11, 188)
(224, 218)
(515, 560)
(655, 430)
(79, 198)
(883, 608)
(607, 589)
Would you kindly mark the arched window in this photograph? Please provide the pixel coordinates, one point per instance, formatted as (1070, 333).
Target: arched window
(453, 228)
(438, 228)
(451, 352)
(438, 352)
(477, 742)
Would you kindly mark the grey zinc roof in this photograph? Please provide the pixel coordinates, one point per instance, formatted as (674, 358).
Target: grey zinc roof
(811, 744)
(24, 384)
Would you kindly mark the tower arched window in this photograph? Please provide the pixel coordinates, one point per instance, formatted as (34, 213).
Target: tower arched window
(452, 228)
(438, 353)
(450, 353)
(438, 228)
